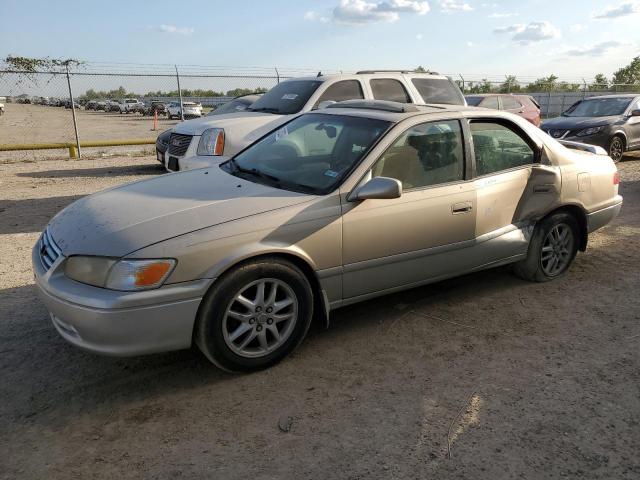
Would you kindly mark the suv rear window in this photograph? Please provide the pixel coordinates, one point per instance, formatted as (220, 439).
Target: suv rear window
(389, 89)
(286, 97)
(438, 90)
(343, 90)
(510, 103)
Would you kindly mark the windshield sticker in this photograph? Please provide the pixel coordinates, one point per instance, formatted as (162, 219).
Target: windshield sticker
(331, 173)
(283, 132)
(289, 96)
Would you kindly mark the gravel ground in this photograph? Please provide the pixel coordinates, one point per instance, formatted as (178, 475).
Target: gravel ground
(484, 376)
(40, 124)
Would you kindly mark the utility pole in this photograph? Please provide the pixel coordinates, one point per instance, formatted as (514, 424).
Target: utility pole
(73, 113)
(180, 94)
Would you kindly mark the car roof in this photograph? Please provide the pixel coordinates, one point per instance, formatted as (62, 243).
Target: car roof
(394, 111)
(619, 95)
(369, 74)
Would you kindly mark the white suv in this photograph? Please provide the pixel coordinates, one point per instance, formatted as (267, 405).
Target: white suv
(129, 105)
(191, 110)
(211, 140)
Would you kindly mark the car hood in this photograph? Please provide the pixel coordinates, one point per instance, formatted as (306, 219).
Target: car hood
(124, 219)
(247, 121)
(573, 123)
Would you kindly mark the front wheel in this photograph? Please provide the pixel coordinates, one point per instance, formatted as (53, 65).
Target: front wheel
(616, 148)
(552, 248)
(255, 315)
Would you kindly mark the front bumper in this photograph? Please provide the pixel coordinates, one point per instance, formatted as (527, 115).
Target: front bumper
(200, 161)
(604, 216)
(119, 323)
(601, 139)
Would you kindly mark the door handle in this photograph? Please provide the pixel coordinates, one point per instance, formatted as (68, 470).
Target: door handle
(462, 207)
(546, 188)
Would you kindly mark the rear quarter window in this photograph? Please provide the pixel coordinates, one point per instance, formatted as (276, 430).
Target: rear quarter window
(438, 90)
(389, 89)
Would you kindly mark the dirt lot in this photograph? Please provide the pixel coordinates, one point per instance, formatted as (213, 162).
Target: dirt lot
(522, 380)
(40, 124)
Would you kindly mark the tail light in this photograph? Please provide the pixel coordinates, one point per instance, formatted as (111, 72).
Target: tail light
(616, 178)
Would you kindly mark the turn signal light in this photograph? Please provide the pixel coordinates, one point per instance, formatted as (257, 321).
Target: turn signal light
(616, 178)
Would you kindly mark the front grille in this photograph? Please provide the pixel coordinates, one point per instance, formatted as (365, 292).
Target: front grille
(178, 144)
(49, 250)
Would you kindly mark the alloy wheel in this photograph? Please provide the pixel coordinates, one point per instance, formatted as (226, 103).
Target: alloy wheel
(557, 249)
(260, 318)
(616, 149)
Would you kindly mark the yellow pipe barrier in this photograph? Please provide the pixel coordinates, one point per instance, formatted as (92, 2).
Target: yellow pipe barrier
(73, 149)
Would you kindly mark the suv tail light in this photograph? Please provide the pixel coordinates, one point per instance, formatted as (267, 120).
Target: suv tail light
(616, 178)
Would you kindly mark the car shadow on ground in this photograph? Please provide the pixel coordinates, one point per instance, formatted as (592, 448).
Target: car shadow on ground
(31, 214)
(63, 380)
(123, 171)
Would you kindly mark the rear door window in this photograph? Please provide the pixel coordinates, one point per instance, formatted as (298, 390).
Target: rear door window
(491, 102)
(438, 90)
(340, 91)
(499, 147)
(389, 89)
(510, 103)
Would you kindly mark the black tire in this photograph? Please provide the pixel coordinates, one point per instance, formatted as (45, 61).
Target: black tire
(208, 331)
(617, 147)
(532, 268)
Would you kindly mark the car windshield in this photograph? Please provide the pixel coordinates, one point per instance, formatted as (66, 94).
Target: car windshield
(311, 154)
(286, 97)
(474, 101)
(598, 107)
(237, 105)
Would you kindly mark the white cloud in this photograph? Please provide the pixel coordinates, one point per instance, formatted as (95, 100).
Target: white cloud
(622, 10)
(176, 30)
(577, 27)
(532, 33)
(419, 36)
(312, 15)
(471, 44)
(359, 12)
(596, 50)
(502, 15)
(517, 28)
(454, 6)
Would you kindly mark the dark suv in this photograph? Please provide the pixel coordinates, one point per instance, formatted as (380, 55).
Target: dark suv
(611, 122)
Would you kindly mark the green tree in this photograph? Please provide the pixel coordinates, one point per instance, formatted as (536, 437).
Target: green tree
(510, 85)
(484, 86)
(420, 69)
(600, 82)
(628, 78)
(543, 84)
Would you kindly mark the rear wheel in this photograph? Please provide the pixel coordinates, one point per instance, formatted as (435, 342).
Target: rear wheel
(616, 148)
(552, 248)
(255, 315)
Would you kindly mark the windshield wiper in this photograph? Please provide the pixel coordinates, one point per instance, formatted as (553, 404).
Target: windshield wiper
(254, 171)
(265, 110)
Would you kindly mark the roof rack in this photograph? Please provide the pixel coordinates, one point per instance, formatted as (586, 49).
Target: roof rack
(382, 105)
(362, 72)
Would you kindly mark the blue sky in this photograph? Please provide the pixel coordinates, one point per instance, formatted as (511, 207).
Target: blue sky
(571, 38)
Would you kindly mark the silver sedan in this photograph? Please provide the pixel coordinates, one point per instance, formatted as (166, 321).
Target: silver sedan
(335, 207)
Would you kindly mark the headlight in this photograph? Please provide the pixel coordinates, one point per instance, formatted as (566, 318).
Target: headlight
(590, 131)
(127, 275)
(211, 142)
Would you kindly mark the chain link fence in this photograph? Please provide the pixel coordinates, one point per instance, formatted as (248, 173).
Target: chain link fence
(38, 107)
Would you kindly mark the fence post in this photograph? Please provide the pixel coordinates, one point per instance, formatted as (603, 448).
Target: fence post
(179, 94)
(548, 100)
(75, 123)
(584, 88)
(463, 82)
(277, 75)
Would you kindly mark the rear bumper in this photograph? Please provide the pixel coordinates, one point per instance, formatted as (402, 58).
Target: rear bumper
(604, 216)
(119, 323)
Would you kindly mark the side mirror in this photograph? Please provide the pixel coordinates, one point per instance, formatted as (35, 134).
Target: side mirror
(380, 188)
(325, 104)
(635, 113)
